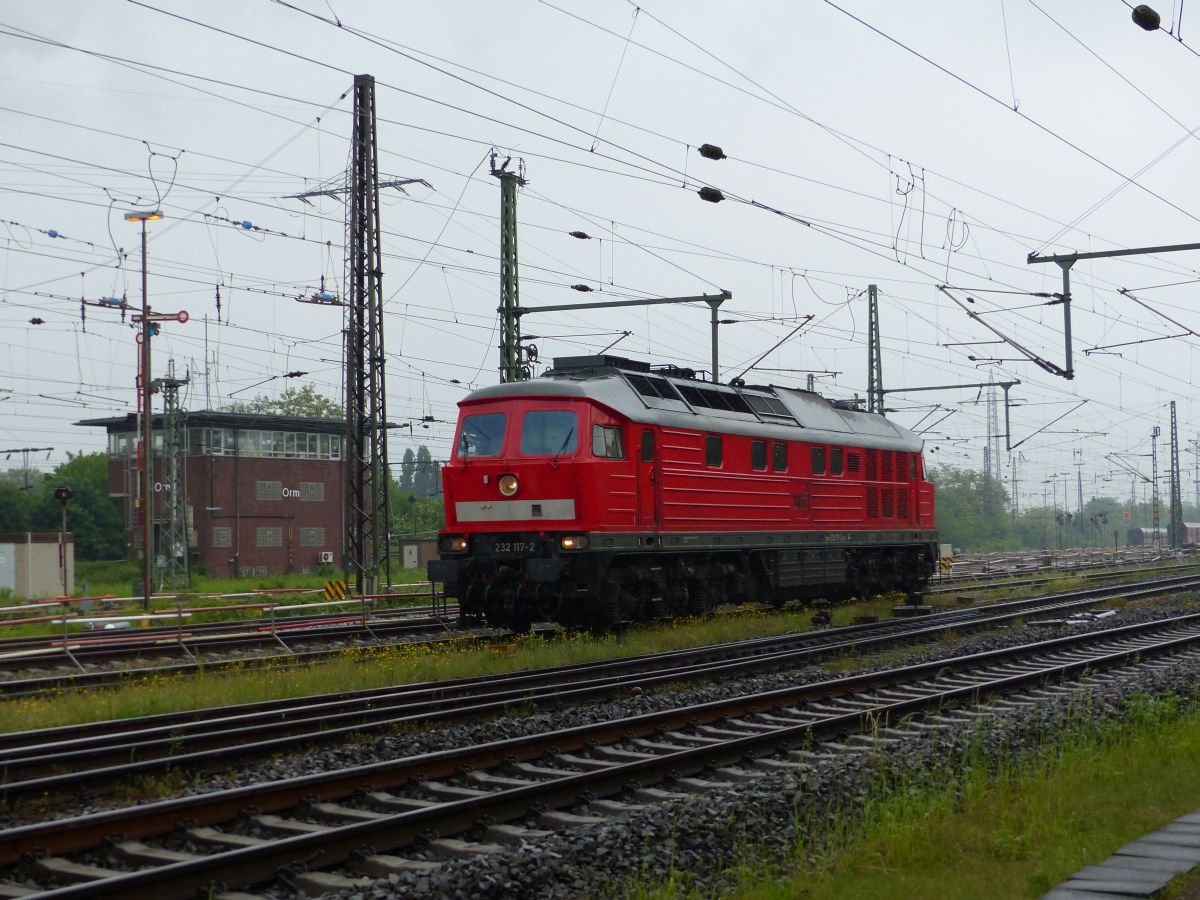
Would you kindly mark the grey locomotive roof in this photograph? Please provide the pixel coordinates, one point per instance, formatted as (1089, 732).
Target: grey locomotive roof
(806, 416)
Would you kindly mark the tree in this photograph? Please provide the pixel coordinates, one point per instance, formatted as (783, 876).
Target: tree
(304, 402)
(959, 510)
(426, 476)
(93, 516)
(16, 503)
(408, 468)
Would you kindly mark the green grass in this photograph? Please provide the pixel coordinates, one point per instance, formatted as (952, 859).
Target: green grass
(1003, 832)
(383, 666)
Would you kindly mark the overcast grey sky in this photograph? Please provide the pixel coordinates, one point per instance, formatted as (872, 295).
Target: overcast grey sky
(1005, 127)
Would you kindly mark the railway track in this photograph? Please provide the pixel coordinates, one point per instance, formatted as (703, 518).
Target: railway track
(411, 812)
(202, 647)
(38, 763)
(18, 655)
(1033, 577)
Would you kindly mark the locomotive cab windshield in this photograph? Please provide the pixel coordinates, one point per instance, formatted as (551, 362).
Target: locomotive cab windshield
(482, 435)
(549, 432)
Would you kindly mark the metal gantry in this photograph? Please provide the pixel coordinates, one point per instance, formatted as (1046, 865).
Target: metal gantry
(365, 558)
(1065, 261)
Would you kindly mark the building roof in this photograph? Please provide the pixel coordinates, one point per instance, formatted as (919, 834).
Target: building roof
(219, 419)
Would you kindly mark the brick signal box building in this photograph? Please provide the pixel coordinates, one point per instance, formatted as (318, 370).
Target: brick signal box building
(263, 493)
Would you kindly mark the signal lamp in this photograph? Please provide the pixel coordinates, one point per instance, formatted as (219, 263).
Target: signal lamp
(574, 542)
(508, 485)
(454, 544)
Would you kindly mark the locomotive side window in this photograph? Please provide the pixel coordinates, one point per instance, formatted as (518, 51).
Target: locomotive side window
(712, 450)
(549, 432)
(758, 456)
(835, 460)
(779, 456)
(608, 441)
(647, 446)
(818, 460)
(482, 435)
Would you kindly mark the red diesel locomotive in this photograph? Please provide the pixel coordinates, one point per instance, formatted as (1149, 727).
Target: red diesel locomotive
(604, 492)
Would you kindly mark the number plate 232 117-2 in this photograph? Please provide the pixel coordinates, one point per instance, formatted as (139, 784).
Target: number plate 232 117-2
(516, 546)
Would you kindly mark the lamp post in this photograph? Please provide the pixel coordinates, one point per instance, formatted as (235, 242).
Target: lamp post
(147, 489)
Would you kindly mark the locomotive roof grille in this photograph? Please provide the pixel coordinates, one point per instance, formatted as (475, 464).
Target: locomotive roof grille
(652, 387)
(768, 406)
(712, 398)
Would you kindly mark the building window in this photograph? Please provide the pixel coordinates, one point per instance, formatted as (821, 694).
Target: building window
(818, 459)
(222, 537)
(220, 442)
(260, 572)
(268, 490)
(712, 450)
(758, 456)
(835, 461)
(608, 442)
(779, 457)
(270, 537)
(312, 491)
(120, 445)
(312, 537)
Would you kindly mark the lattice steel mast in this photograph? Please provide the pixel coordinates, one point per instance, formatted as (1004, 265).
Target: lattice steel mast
(512, 362)
(1176, 511)
(874, 353)
(1154, 518)
(173, 543)
(367, 515)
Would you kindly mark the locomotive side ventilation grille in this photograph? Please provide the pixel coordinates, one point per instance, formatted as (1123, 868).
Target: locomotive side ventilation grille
(902, 504)
(872, 502)
(872, 465)
(886, 470)
(853, 462)
(889, 506)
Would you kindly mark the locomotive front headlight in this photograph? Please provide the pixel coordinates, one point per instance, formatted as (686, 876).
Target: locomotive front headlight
(508, 485)
(453, 544)
(574, 542)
